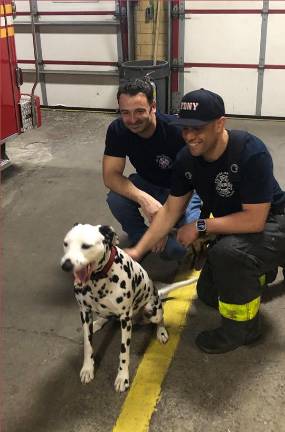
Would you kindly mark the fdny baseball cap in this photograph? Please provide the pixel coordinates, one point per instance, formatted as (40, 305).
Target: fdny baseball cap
(199, 107)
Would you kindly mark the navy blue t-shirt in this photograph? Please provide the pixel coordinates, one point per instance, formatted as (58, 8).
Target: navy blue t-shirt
(153, 157)
(224, 186)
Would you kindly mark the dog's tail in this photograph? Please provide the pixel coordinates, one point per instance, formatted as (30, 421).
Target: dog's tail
(164, 290)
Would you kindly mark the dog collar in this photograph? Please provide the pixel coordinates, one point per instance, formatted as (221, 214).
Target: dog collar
(103, 273)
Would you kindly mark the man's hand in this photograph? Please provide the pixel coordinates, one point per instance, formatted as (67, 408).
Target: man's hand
(160, 245)
(133, 253)
(157, 248)
(149, 206)
(187, 234)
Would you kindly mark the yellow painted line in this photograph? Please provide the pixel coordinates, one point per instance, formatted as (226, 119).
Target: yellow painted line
(144, 393)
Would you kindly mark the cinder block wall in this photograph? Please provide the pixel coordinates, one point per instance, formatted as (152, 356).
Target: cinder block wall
(145, 31)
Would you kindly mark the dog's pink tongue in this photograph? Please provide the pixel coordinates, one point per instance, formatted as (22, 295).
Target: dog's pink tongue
(82, 275)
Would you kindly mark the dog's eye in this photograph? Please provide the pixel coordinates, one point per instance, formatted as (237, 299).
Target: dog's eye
(65, 244)
(86, 246)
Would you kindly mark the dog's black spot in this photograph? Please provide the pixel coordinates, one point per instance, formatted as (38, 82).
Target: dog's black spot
(134, 284)
(128, 341)
(126, 381)
(124, 324)
(119, 299)
(115, 278)
(137, 294)
(124, 307)
(77, 290)
(137, 303)
(123, 348)
(132, 267)
(103, 306)
(101, 293)
(128, 270)
(118, 259)
(123, 361)
(128, 294)
(123, 284)
(96, 299)
(90, 332)
(86, 304)
(82, 318)
(85, 289)
(87, 317)
(129, 328)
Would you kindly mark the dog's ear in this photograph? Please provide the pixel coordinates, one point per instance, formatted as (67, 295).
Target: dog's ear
(109, 233)
(76, 223)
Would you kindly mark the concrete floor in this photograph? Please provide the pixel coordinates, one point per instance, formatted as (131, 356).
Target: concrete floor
(54, 182)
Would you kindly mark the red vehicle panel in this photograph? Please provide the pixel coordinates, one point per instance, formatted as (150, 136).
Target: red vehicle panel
(10, 92)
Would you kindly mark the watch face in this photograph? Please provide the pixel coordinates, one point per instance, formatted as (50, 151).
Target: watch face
(201, 225)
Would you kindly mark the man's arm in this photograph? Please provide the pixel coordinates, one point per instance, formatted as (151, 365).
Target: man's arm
(251, 219)
(164, 220)
(113, 169)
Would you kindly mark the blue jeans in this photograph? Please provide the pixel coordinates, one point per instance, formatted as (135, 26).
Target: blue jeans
(128, 215)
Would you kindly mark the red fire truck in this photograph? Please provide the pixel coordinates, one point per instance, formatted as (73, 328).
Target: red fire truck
(18, 112)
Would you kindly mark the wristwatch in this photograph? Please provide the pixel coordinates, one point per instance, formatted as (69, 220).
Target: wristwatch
(201, 227)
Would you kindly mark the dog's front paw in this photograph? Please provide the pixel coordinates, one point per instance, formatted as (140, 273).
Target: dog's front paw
(122, 381)
(87, 373)
(162, 335)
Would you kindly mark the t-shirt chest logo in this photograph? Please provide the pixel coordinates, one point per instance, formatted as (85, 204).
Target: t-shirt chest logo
(188, 175)
(223, 185)
(164, 162)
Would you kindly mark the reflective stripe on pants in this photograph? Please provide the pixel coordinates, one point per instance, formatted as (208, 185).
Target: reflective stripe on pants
(243, 312)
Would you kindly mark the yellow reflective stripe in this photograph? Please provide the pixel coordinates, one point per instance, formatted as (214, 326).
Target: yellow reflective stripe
(4, 32)
(243, 312)
(262, 280)
(6, 9)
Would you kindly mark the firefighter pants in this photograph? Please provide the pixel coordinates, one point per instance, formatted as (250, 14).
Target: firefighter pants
(231, 278)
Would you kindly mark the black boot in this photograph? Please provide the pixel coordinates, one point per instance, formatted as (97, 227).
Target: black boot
(229, 336)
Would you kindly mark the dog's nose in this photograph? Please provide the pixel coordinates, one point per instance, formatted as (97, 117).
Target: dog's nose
(67, 265)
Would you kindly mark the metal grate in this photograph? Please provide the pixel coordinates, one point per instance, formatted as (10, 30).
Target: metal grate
(26, 113)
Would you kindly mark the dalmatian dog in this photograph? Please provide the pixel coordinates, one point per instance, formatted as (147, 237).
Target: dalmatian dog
(108, 282)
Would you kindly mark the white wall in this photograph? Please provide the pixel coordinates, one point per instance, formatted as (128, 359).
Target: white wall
(91, 43)
(209, 38)
(235, 39)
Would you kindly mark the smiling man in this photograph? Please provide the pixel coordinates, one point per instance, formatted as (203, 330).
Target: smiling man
(151, 143)
(232, 171)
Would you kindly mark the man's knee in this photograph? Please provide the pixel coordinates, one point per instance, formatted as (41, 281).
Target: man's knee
(227, 251)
